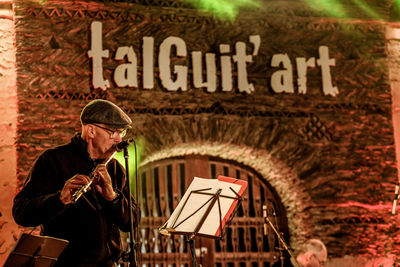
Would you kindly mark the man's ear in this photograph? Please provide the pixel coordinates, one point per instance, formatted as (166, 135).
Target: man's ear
(308, 256)
(89, 130)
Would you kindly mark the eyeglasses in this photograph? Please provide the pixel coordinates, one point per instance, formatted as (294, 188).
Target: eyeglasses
(113, 133)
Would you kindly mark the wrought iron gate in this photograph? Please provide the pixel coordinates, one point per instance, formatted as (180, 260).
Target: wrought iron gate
(163, 183)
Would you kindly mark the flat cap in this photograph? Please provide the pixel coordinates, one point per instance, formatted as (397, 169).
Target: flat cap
(105, 112)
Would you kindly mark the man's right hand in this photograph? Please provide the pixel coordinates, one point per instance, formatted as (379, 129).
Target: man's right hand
(71, 185)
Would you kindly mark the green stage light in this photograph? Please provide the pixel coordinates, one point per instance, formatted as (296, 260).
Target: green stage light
(395, 11)
(131, 150)
(335, 8)
(223, 9)
(331, 7)
(367, 9)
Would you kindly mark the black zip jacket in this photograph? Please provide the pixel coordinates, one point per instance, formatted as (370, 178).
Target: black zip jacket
(91, 229)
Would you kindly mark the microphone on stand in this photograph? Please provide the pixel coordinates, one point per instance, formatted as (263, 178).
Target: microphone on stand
(396, 198)
(120, 146)
(132, 255)
(264, 207)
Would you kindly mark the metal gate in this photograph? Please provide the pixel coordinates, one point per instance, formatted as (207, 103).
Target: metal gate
(163, 183)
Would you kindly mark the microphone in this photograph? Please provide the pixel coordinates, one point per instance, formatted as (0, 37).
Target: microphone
(396, 198)
(264, 207)
(123, 144)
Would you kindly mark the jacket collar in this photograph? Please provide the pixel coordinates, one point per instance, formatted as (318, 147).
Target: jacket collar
(81, 146)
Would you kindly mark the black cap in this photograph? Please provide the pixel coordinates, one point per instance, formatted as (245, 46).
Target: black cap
(105, 112)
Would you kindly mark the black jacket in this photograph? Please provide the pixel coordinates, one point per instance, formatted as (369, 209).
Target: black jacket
(92, 230)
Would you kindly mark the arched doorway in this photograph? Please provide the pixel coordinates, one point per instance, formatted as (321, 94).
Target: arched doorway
(163, 183)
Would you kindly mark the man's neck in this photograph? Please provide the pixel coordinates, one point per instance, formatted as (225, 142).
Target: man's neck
(94, 153)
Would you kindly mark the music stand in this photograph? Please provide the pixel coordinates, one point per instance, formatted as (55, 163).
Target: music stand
(35, 251)
(206, 207)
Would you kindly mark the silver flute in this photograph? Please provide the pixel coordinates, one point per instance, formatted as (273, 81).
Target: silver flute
(78, 193)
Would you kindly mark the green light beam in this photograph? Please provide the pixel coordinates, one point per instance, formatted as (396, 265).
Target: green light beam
(331, 7)
(131, 161)
(368, 10)
(223, 9)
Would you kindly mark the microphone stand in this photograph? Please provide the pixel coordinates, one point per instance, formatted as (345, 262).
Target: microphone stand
(137, 219)
(133, 236)
(295, 262)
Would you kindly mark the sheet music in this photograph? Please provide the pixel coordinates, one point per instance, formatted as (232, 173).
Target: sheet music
(193, 210)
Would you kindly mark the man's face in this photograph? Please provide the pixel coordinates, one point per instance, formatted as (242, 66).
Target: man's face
(106, 137)
(312, 259)
(317, 260)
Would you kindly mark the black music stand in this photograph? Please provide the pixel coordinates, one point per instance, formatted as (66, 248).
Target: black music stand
(207, 206)
(35, 251)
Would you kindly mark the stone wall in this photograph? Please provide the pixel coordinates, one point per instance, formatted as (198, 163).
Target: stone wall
(8, 124)
(338, 149)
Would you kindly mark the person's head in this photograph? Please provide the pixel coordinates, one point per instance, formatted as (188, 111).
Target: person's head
(313, 253)
(103, 125)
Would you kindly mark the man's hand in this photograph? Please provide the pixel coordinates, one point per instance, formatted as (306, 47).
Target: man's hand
(103, 183)
(71, 185)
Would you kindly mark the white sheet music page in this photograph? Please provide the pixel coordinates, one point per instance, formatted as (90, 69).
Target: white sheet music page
(186, 219)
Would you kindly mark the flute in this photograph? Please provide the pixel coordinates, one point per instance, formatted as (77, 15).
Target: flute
(78, 193)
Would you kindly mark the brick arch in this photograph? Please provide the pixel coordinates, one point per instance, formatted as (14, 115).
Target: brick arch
(280, 176)
(281, 136)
